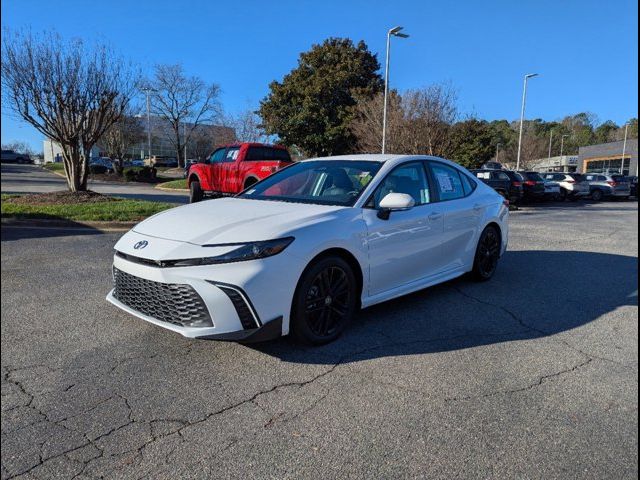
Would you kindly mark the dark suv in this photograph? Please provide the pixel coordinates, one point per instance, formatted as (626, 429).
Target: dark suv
(506, 183)
(533, 185)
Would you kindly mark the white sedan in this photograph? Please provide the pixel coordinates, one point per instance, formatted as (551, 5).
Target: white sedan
(301, 251)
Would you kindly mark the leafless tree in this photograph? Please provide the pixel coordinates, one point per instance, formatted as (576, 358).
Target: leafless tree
(69, 92)
(205, 138)
(120, 137)
(418, 122)
(182, 103)
(247, 126)
(19, 147)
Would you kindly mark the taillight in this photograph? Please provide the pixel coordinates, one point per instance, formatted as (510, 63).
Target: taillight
(531, 183)
(571, 181)
(516, 184)
(613, 184)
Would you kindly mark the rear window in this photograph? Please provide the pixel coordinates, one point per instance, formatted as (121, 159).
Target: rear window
(268, 153)
(534, 176)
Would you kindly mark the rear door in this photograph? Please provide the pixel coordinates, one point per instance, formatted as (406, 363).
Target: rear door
(462, 214)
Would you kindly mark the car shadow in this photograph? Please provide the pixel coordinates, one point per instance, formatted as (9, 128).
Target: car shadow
(534, 294)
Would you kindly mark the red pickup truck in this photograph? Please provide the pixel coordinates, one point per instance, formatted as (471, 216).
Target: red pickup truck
(232, 168)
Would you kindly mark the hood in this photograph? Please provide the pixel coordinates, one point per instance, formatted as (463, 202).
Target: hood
(231, 220)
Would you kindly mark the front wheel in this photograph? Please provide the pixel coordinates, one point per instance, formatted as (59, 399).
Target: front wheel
(487, 254)
(597, 195)
(195, 192)
(324, 302)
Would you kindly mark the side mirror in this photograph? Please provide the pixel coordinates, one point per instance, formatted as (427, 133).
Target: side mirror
(394, 202)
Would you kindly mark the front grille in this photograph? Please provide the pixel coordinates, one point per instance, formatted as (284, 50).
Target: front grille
(168, 302)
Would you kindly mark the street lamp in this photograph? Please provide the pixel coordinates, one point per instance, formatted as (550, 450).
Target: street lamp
(498, 151)
(624, 149)
(562, 144)
(147, 90)
(550, 142)
(524, 101)
(395, 31)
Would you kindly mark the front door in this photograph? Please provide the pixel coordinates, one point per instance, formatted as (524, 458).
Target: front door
(405, 247)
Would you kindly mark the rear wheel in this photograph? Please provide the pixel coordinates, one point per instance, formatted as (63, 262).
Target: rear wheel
(195, 192)
(248, 182)
(487, 254)
(597, 195)
(324, 302)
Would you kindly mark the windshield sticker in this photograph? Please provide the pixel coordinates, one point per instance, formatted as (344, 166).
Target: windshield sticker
(445, 182)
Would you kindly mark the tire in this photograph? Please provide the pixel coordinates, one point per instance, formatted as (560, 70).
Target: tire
(195, 192)
(597, 195)
(563, 195)
(487, 255)
(248, 182)
(324, 302)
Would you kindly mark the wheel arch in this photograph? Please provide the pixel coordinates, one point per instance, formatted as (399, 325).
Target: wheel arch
(250, 180)
(348, 257)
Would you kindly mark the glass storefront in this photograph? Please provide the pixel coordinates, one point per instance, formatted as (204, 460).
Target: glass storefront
(607, 166)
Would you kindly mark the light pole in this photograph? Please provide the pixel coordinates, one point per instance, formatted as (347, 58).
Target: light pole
(550, 142)
(395, 31)
(147, 91)
(624, 149)
(497, 152)
(524, 102)
(562, 144)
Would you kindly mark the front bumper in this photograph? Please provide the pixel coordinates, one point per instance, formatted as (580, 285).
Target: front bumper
(252, 304)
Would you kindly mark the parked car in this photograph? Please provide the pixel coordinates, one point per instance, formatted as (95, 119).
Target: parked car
(301, 251)
(551, 190)
(506, 183)
(233, 168)
(9, 156)
(105, 162)
(573, 186)
(633, 186)
(533, 185)
(608, 186)
(137, 163)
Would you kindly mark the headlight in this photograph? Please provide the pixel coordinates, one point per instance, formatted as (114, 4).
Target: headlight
(242, 252)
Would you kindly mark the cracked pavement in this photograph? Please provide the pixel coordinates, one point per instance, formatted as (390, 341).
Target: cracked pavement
(531, 375)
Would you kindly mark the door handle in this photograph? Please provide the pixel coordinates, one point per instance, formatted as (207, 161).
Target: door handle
(435, 216)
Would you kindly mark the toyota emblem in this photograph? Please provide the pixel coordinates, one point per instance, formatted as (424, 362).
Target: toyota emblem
(140, 244)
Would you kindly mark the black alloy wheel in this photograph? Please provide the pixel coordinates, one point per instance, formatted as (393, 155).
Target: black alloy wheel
(487, 254)
(325, 301)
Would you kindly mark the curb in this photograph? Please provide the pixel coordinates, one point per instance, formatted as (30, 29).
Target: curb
(180, 190)
(67, 224)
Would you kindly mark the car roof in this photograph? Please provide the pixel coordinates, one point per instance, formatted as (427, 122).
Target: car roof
(383, 158)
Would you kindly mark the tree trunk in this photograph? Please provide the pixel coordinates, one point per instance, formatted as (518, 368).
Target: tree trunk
(72, 162)
(84, 168)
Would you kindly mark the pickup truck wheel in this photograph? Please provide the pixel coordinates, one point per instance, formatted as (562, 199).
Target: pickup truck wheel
(195, 192)
(248, 182)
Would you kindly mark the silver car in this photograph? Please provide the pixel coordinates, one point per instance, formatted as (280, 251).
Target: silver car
(573, 186)
(608, 186)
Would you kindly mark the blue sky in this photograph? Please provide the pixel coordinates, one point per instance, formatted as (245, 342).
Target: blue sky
(585, 51)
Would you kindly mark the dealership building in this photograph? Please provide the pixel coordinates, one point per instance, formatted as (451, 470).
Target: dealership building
(563, 163)
(608, 157)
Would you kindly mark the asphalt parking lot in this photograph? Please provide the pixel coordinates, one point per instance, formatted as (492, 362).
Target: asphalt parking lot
(532, 375)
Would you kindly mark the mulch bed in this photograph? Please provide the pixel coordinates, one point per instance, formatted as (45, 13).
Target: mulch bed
(61, 198)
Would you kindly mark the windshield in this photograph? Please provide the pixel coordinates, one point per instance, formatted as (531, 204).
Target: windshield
(325, 182)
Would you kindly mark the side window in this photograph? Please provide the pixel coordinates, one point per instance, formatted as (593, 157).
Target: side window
(448, 182)
(255, 153)
(410, 179)
(602, 178)
(502, 176)
(468, 184)
(218, 155)
(232, 154)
